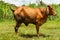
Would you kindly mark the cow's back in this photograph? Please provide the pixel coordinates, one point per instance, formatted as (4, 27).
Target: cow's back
(28, 15)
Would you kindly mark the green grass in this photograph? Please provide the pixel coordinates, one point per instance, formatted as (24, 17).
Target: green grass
(49, 31)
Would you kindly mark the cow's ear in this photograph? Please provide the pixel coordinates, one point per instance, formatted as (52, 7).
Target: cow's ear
(47, 10)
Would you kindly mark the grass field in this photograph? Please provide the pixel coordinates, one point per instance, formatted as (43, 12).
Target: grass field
(49, 31)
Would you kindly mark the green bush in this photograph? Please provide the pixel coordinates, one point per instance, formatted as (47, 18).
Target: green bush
(1, 14)
(5, 10)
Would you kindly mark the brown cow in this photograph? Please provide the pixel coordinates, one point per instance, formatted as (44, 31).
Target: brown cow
(36, 16)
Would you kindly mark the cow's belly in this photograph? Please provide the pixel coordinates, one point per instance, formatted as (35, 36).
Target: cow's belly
(29, 21)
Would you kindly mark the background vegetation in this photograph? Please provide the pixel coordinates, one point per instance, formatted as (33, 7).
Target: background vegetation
(49, 31)
(6, 13)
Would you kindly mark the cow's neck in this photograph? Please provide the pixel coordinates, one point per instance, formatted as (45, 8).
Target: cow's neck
(45, 15)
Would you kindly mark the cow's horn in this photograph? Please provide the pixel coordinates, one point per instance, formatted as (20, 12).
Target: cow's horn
(47, 10)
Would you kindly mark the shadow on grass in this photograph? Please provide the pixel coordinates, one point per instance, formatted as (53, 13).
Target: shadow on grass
(33, 35)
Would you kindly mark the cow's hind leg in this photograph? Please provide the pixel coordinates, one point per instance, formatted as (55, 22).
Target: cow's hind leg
(17, 26)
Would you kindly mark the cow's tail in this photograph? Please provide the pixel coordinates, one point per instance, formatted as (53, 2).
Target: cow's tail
(12, 9)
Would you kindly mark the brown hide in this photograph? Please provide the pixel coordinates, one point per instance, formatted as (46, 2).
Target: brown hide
(28, 15)
(36, 16)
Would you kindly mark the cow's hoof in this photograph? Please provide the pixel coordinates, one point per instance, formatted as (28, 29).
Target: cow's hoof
(38, 35)
(16, 32)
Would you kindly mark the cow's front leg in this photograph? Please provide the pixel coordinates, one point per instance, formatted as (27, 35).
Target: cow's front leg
(16, 27)
(37, 29)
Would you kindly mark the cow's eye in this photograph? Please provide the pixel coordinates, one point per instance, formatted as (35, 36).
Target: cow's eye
(52, 8)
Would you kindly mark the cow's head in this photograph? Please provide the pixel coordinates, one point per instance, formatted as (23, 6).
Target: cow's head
(50, 10)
